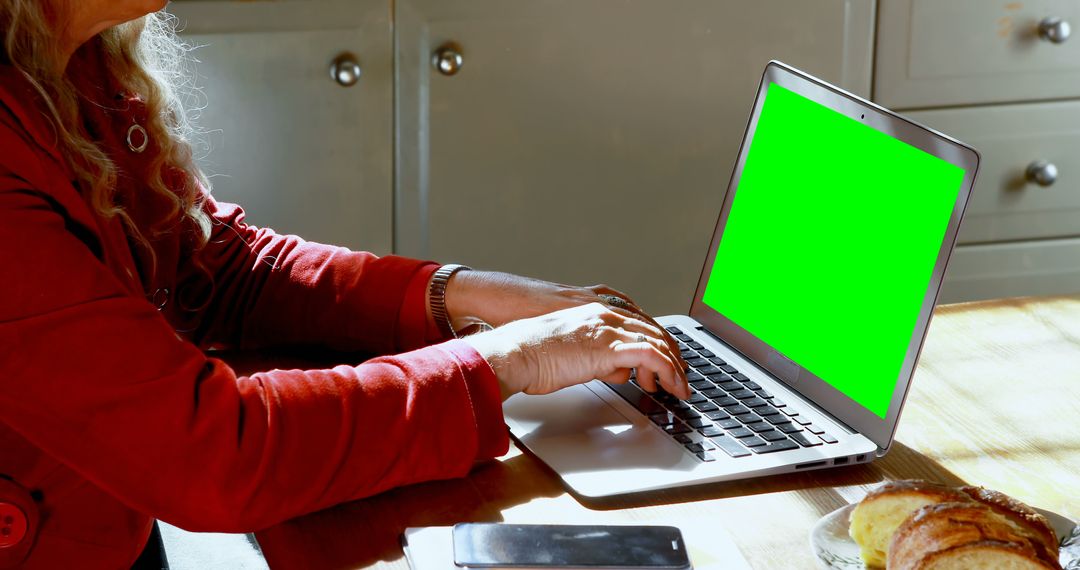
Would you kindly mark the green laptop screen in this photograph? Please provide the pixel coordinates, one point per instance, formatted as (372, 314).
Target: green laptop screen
(830, 244)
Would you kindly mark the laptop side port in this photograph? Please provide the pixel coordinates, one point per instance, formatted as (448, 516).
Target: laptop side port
(840, 461)
(811, 465)
(860, 458)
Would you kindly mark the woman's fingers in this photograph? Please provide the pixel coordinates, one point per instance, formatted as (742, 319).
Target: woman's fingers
(656, 358)
(649, 360)
(642, 323)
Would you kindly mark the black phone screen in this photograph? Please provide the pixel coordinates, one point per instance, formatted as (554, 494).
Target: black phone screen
(580, 546)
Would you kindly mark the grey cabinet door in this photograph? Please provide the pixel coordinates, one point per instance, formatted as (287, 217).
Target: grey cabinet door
(588, 141)
(302, 153)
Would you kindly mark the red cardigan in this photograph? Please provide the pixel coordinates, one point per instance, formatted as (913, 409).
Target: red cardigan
(111, 414)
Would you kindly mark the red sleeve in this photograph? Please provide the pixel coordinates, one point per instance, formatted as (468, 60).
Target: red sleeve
(100, 380)
(271, 290)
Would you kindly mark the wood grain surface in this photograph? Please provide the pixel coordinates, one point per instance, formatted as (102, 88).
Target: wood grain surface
(995, 402)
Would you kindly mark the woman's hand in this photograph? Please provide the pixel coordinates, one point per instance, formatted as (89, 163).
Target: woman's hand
(499, 298)
(571, 346)
(495, 299)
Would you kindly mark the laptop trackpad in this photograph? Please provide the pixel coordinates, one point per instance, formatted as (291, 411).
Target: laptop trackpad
(575, 430)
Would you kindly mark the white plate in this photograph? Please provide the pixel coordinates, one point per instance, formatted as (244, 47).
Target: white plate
(834, 548)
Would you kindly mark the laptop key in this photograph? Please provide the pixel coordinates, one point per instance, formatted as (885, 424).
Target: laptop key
(740, 432)
(827, 438)
(729, 385)
(789, 411)
(777, 419)
(763, 393)
(706, 406)
(777, 403)
(742, 394)
(729, 369)
(695, 345)
(711, 431)
(697, 423)
(730, 423)
(717, 415)
(766, 410)
(772, 435)
(751, 385)
(740, 377)
(674, 330)
(683, 337)
(736, 409)
(759, 427)
(696, 399)
(804, 441)
(706, 353)
(713, 392)
(708, 369)
(729, 445)
(748, 418)
(717, 361)
(694, 377)
(663, 418)
(686, 414)
(814, 429)
(675, 429)
(755, 402)
(697, 362)
(704, 456)
(702, 385)
(776, 446)
(752, 441)
(801, 420)
(684, 439)
(695, 447)
(725, 401)
(789, 428)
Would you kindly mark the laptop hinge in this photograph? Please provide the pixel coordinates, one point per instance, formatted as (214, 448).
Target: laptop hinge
(805, 400)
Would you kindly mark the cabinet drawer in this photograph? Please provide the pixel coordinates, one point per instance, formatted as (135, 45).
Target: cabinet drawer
(976, 272)
(947, 52)
(1005, 204)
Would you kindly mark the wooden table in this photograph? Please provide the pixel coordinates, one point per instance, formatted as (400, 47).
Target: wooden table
(995, 402)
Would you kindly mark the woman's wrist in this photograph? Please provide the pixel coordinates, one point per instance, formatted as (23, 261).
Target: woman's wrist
(502, 356)
(463, 299)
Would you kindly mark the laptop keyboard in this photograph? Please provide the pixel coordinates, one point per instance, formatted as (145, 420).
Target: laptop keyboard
(726, 412)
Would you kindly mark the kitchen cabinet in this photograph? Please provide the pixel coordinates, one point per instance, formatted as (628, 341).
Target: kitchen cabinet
(1004, 77)
(592, 141)
(588, 141)
(303, 152)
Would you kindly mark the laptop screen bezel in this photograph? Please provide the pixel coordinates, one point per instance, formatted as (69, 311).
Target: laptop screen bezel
(790, 373)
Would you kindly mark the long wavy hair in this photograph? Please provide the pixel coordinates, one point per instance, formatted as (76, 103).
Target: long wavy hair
(146, 58)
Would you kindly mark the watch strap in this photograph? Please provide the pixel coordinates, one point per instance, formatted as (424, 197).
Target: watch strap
(437, 297)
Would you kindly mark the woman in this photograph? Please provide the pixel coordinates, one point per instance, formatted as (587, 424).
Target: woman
(119, 270)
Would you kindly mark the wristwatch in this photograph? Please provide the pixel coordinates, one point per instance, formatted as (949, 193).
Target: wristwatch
(437, 297)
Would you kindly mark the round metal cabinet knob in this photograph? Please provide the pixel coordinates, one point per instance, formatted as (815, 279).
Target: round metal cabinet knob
(448, 60)
(1041, 172)
(1054, 30)
(345, 70)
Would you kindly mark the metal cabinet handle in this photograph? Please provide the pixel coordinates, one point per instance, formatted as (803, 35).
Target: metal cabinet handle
(1041, 172)
(345, 70)
(1054, 30)
(448, 60)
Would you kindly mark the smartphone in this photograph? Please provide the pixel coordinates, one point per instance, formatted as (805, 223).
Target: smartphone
(532, 546)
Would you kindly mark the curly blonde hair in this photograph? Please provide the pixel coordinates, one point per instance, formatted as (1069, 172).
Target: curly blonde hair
(146, 58)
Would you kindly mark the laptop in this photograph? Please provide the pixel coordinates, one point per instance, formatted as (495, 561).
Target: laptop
(809, 316)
